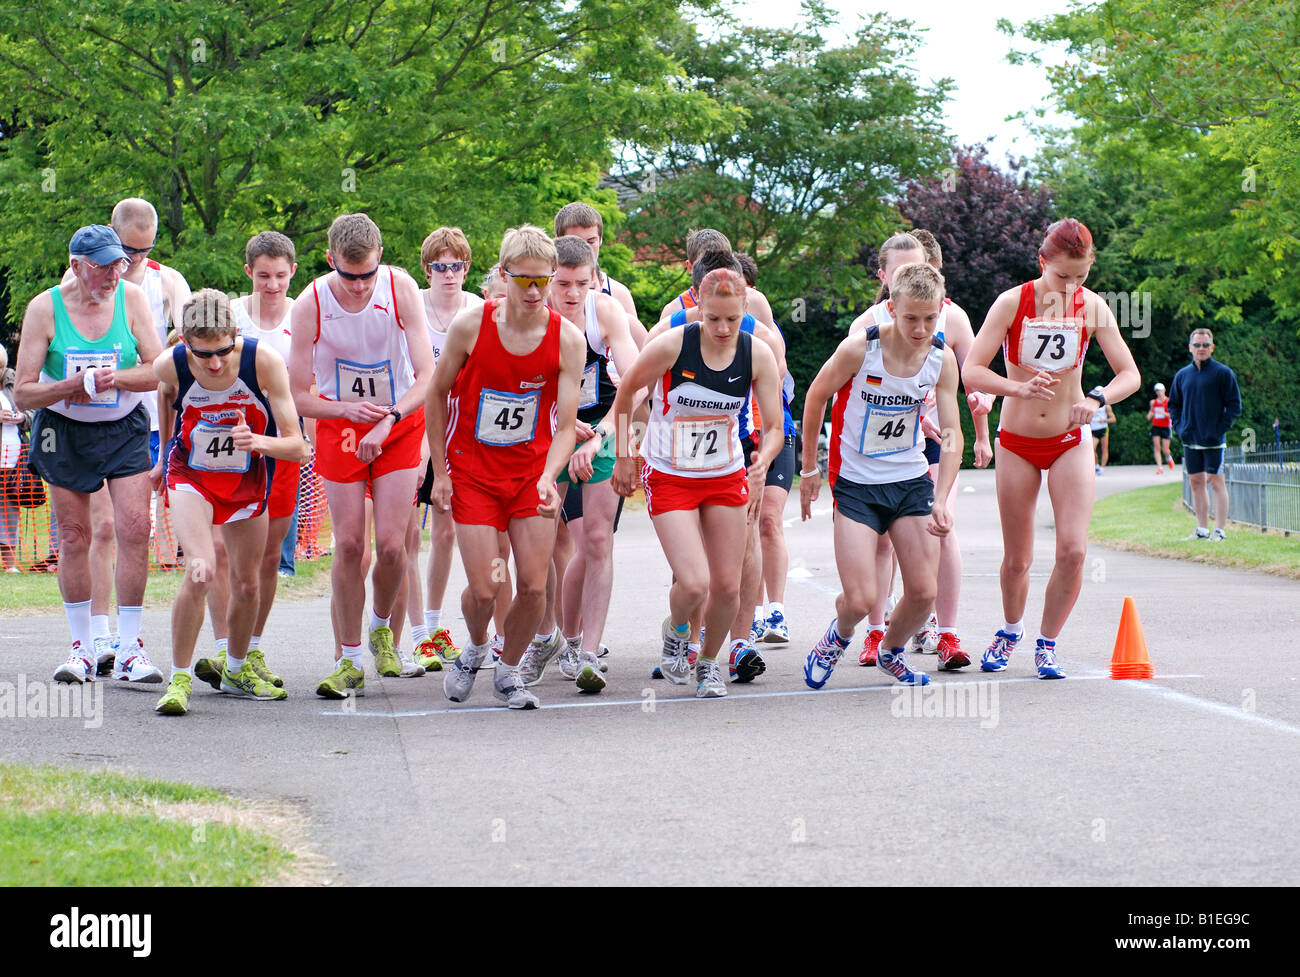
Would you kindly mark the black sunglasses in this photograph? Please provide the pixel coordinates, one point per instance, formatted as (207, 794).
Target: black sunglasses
(354, 276)
(204, 354)
(144, 250)
(1202, 345)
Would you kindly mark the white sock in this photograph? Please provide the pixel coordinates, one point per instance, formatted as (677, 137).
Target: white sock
(233, 664)
(222, 644)
(254, 642)
(128, 625)
(177, 670)
(419, 634)
(946, 630)
(875, 625)
(1202, 531)
(377, 622)
(760, 612)
(352, 651)
(575, 641)
(775, 607)
(99, 626)
(433, 620)
(79, 624)
(1017, 628)
(541, 638)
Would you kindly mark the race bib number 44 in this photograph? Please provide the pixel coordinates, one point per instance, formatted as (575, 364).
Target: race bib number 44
(212, 449)
(703, 444)
(1051, 345)
(888, 431)
(371, 382)
(505, 418)
(77, 361)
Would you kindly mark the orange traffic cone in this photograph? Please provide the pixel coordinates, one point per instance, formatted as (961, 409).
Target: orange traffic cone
(1130, 659)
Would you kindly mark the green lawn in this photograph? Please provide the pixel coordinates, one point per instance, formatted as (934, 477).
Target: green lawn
(71, 827)
(1153, 521)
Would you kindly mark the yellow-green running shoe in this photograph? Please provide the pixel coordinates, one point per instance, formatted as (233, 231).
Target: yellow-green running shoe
(443, 647)
(209, 670)
(176, 701)
(258, 661)
(347, 679)
(426, 654)
(250, 685)
(387, 663)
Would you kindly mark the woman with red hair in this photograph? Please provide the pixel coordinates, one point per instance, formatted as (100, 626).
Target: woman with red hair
(1043, 328)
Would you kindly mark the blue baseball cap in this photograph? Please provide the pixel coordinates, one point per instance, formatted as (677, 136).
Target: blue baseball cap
(98, 243)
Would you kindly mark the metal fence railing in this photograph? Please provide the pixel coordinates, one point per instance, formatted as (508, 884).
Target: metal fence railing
(1263, 487)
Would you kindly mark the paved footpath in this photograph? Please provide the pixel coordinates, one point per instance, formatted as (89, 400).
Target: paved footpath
(1189, 779)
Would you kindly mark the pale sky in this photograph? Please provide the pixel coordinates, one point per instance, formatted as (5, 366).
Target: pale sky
(962, 43)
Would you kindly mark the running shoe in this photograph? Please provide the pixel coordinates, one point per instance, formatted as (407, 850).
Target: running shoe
(602, 655)
(823, 658)
(443, 647)
(757, 628)
(538, 655)
(135, 667)
(105, 653)
(589, 678)
(1045, 660)
(459, 680)
(1197, 534)
(895, 663)
(775, 630)
(871, 647)
(78, 668)
(1218, 536)
(925, 641)
(257, 659)
(508, 686)
(410, 667)
(673, 664)
(347, 679)
(708, 679)
(248, 685)
(387, 663)
(1160, 470)
(176, 700)
(951, 657)
(209, 670)
(1097, 469)
(1171, 463)
(745, 663)
(998, 655)
(691, 655)
(426, 654)
(569, 658)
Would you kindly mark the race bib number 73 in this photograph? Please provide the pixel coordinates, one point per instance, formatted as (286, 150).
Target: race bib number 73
(1051, 345)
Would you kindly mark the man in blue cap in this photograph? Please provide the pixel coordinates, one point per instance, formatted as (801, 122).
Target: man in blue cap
(85, 360)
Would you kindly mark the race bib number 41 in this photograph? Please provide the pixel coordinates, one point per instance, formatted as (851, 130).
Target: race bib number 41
(505, 418)
(371, 382)
(212, 449)
(888, 431)
(77, 361)
(703, 444)
(1051, 345)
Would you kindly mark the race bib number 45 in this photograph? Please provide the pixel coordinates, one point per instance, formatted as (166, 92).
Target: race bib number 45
(76, 361)
(505, 418)
(1051, 345)
(212, 449)
(371, 382)
(888, 431)
(703, 444)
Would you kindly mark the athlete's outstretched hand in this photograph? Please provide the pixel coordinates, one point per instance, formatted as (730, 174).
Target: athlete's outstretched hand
(809, 489)
(550, 496)
(624, 479)
(940, 523)
(1039, 387)
(440, 493)
(363, 412)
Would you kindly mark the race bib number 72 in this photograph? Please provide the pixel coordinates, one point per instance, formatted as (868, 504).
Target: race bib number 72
(703, 444)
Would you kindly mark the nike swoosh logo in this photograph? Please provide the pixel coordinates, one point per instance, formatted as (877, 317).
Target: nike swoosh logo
(732, 379)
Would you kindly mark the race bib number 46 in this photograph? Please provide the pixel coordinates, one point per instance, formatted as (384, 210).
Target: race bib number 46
(1051, 345)
(505, 418)
(212, 449)
(76, 361)
(888, 431)
(371, 382)
(703, 444)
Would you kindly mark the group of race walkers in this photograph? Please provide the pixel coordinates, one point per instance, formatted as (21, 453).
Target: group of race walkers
(523, 417)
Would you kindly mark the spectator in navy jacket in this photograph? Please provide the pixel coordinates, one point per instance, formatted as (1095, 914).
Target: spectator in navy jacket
(1203, 403)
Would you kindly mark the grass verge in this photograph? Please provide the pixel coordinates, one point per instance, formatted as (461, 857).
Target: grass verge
(1152, 521)
(73, 827)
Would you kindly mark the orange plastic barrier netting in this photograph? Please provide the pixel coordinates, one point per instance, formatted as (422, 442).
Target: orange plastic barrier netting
(29, 532)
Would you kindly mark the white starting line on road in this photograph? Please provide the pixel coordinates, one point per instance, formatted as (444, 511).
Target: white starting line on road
(595, 703)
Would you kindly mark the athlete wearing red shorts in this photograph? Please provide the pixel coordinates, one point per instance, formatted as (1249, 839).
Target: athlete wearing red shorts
(501, 413)
(1043, 328)
(360, 334)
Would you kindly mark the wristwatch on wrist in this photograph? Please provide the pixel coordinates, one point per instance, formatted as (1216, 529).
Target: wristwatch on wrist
(1097, 394)
(394, 413)
(600, 431)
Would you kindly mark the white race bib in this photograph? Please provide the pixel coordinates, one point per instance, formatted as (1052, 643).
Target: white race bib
(703, 444)
(589, 394)
(1050, 345)
(212, 449)
(371, 382)
(76, 361)
(505, 418)
(889, 430)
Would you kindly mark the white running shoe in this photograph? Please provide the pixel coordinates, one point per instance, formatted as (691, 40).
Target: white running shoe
(135, 666)
(538, 655)
(569, 657)
(674, 665)
(77, 668)
(410, 667)
(105, 652)
(458, 681)
(508, 686)
(708, 679)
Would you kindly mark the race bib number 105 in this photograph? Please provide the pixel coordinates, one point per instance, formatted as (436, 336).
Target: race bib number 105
(505, 418)
(76, 361)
